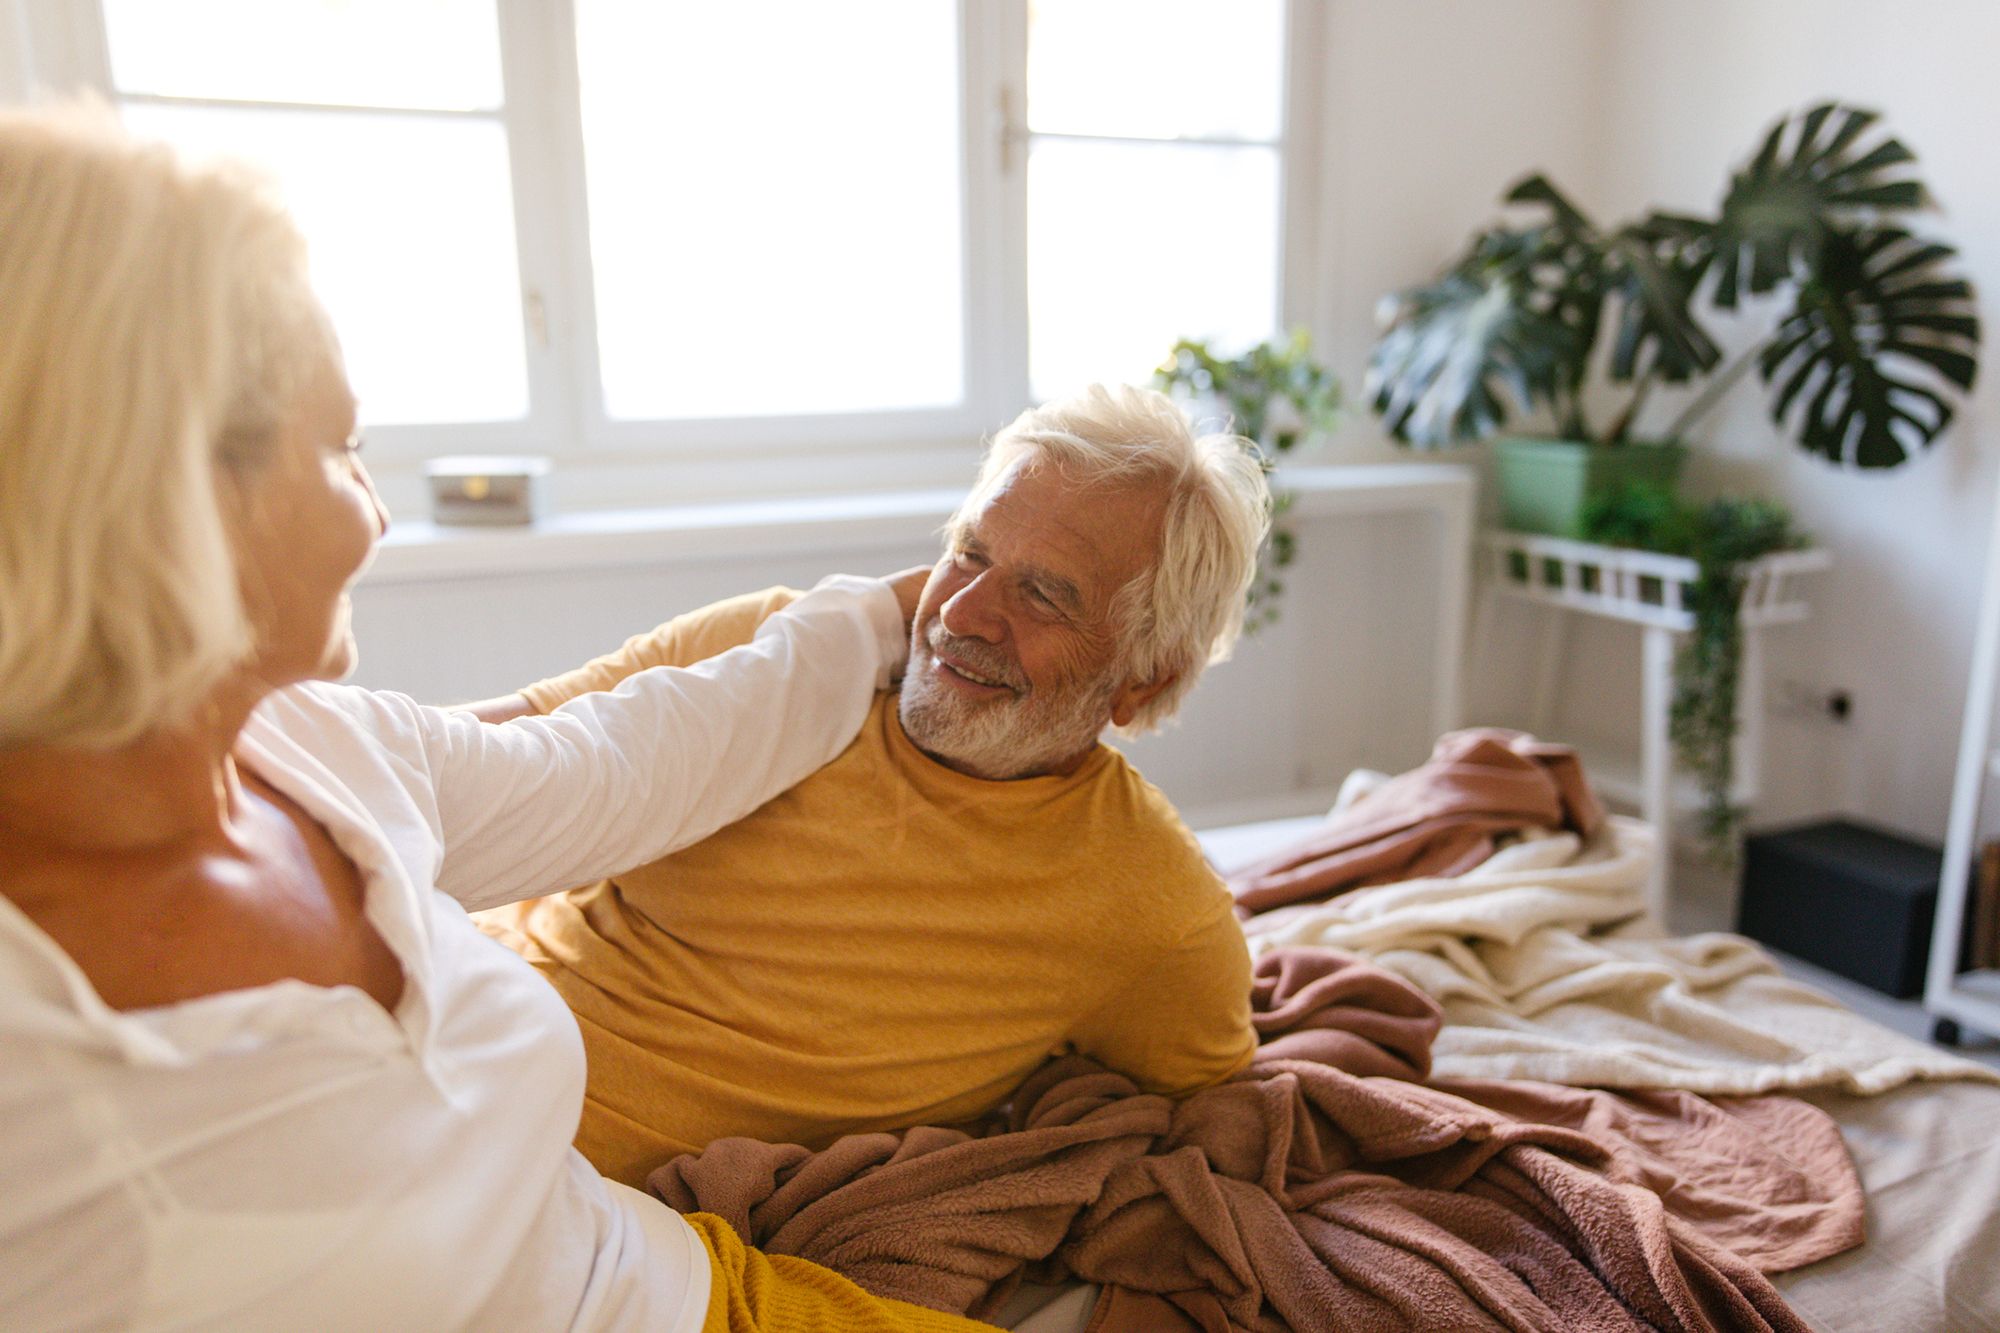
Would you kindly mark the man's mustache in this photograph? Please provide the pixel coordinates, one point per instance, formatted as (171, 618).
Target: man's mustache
(975, 654)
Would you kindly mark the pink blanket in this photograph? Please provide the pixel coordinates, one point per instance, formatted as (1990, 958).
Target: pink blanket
(1312, 1195)
(1437, 819)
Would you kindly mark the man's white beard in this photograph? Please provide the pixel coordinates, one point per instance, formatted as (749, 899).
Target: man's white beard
(997, 738)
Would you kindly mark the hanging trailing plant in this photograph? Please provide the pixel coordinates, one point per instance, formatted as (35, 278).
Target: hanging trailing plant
(1276, 395)
(1723, 537)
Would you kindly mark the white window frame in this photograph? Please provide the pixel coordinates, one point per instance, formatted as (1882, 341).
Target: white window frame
(1018, 141)
(63, 47)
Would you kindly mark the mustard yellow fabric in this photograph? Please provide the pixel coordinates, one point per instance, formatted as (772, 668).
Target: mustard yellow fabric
(889, 943)
(756, 1292)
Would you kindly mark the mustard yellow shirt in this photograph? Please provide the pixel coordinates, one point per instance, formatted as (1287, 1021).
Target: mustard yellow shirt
(889, 943)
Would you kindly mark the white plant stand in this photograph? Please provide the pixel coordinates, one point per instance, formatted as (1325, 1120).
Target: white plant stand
(1953, 997)
(1650, 590)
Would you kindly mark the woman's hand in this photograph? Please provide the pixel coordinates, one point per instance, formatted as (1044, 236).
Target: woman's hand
(908, 585)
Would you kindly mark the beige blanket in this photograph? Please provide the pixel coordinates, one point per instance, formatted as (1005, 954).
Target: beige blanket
(1545, 973)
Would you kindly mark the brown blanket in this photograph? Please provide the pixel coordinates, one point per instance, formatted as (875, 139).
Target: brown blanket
(1304, 1195)
(1437, 819)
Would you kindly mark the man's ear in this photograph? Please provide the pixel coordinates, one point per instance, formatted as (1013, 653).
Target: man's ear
(1134, 695)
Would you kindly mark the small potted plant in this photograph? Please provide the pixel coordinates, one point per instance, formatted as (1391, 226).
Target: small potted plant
(1874, 330)
(1276, 395)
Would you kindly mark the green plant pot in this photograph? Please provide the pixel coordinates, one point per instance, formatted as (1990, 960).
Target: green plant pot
(1545, 484)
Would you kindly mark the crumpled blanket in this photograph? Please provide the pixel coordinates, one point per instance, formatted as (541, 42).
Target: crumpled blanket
(1440, 818)
(1545, 973)
(1304, 1195)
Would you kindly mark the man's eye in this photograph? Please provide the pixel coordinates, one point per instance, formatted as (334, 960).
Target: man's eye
(353, 443)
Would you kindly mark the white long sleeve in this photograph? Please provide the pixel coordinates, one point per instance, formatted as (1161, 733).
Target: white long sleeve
(619, 778)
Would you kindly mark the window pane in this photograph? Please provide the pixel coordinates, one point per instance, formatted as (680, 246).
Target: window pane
(775, 211)
(432, 54)
(410, 220)
(1157, 69)
(1131, 246)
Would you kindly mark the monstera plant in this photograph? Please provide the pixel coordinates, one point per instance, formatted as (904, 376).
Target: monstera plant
(1871, 334)
(1873, 329)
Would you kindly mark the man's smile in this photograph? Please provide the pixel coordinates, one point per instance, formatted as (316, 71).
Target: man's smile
(965, 677)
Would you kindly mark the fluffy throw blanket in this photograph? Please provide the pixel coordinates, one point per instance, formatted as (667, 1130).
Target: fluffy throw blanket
(1322, 1188)
(1545, 974)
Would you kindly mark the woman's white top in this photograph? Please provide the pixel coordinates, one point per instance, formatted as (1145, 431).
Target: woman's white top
(294, 1156)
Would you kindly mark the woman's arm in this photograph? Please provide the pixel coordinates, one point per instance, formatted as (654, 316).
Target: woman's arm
(612, 780)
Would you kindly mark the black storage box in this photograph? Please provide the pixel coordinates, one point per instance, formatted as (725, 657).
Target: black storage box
(1848, 898)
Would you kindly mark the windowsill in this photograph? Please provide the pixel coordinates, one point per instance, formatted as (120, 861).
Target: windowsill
(419, 552)
(612, 538)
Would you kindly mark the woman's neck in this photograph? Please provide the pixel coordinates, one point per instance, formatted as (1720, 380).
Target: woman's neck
(173, 787)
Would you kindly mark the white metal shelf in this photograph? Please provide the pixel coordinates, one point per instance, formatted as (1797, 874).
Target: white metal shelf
(1652, 591)
(1644, 587)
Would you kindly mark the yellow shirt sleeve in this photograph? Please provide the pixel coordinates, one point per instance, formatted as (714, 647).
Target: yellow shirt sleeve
(682, 641)
(1184, 1021)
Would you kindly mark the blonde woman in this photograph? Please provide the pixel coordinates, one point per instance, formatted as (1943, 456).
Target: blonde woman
(256, 1068)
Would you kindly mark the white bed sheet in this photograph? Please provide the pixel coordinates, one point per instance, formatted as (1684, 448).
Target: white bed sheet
(1929, 1158)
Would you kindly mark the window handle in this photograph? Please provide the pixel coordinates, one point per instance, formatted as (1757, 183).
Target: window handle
(1012, 131)
(537, 311)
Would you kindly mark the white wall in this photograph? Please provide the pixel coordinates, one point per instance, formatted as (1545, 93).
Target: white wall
(14, 81)
(1689, 87)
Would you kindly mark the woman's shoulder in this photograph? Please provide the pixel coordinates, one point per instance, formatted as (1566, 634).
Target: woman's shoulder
(355, 758)
(321, 711)
(350, 737)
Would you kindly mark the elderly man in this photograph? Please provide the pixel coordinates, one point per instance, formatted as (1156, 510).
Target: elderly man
(976, 883)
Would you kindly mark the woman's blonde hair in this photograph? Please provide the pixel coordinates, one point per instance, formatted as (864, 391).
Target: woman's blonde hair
(156, 321)
(1185, 610)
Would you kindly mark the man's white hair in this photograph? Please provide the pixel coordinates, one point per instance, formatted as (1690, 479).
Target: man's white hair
(1185, 610)
(156, 323)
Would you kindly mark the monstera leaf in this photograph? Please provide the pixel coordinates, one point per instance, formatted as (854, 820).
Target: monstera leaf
(1453, 347)
(1784, 206)
(1653, 268)
(1564, 259)
(1876, 332)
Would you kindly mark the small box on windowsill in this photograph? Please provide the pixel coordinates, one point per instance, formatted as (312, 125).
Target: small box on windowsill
(486, 490)
(1846, 897)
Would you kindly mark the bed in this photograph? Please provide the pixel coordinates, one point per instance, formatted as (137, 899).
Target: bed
(1927, 1152)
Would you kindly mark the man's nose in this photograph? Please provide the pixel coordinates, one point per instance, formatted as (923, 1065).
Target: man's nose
(973, 612)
